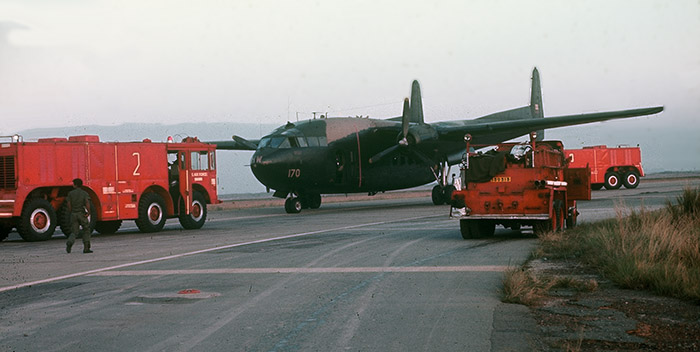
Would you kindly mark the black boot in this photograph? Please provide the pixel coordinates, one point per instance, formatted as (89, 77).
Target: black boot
(68, 247)
(86, 248)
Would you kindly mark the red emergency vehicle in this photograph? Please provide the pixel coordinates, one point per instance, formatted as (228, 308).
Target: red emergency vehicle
(517, 184)
(142, 181)
(610, 167)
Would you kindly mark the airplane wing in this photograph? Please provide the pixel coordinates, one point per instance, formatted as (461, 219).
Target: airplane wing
(497, 131)
(237, 143)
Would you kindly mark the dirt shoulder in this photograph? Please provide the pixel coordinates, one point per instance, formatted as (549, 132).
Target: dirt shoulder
(609, 318)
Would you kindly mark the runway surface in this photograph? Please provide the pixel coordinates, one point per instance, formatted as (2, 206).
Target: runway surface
(383, 275)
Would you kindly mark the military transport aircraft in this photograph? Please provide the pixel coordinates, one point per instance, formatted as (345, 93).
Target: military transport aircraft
(302, 160)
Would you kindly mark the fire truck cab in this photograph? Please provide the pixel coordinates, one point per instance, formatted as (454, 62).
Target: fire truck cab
(143, 181)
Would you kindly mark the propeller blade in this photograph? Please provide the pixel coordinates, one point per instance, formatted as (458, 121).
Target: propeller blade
(382, 154)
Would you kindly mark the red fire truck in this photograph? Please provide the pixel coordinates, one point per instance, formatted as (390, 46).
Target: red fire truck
(142, 181)
(610, 167)
(516, 184)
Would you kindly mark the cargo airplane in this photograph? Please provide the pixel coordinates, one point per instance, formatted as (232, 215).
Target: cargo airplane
(302, 160)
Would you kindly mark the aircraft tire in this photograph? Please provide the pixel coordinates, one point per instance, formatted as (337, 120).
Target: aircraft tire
(292, 205)
(612, 180)
(438, 195)
(314, 201)
(447, 193)
(631, 180)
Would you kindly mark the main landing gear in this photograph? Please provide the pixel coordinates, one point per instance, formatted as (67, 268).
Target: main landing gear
(294, 205)
(442, 192)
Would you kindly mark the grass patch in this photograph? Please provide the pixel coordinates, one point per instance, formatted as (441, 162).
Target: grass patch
(521, 286)
(652, 250)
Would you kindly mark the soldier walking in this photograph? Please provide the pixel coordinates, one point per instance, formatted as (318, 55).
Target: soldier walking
(78, 202)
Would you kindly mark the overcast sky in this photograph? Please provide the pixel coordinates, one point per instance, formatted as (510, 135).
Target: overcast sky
(75, 62)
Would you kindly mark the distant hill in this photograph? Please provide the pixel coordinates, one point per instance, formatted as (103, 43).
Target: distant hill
(234, 174)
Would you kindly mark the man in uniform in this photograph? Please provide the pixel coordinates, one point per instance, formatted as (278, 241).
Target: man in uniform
(78, 202)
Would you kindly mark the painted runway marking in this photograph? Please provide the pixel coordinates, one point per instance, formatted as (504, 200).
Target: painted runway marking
(207, 250)
(333, 270)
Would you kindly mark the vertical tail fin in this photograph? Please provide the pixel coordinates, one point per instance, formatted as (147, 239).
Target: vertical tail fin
(536, 110)
(416, 104)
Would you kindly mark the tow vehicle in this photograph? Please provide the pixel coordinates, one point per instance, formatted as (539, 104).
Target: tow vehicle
(517, 184)
(143, 181)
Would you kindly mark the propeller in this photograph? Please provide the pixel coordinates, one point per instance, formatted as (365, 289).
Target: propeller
(403, 142)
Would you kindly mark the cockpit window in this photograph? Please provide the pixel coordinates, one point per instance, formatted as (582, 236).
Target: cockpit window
(317, 141)
(292, 142)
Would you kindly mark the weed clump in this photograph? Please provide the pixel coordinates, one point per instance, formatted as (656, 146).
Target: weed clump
(654, 250)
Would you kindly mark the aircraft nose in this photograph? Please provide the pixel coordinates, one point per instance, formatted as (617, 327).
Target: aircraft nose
(267, 168)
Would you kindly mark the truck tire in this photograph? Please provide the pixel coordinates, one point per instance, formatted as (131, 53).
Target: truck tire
(198, 212)
(596, 186)
(108, 227)
(151, 213)
(631, 180)
(612, 180)
(38, 220)
(476, 228)
(571, 217)
(5, 230)
(64, 219)
(467, 228)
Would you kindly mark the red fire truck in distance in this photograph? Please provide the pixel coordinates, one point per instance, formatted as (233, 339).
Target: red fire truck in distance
(610, 167)
(142, 181)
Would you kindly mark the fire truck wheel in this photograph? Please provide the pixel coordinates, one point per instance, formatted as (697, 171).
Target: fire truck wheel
(108, 227)
(438, 195)
(631, 180)
(292, 205)
(612, 180)
(198, 212)
(64, 219)
(476, 228)
(467, 229)
(596, 186)
(151, 213)
(487, 228)
(5, 230)
(38, 221)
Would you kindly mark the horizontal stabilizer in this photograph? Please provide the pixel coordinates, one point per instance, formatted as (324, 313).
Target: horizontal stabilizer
(238, 143)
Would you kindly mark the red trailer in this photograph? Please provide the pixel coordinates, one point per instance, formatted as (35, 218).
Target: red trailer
(142, 181)
(516, 184)
(610, 167)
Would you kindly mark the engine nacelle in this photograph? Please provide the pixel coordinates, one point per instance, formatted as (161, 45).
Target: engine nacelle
(421, 133)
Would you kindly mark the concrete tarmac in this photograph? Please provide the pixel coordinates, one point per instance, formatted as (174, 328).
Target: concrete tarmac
(383, 275)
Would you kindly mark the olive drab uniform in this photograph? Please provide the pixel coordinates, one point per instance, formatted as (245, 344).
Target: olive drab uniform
(78, 201)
